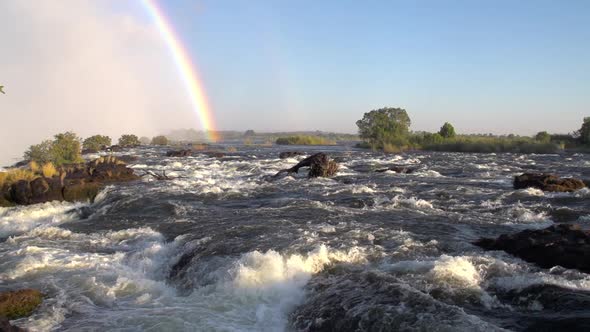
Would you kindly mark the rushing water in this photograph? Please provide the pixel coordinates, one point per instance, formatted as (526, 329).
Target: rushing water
(222, 248)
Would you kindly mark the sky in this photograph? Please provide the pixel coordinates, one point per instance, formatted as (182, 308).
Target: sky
(102, 67)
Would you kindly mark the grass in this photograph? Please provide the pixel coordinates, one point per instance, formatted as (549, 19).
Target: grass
(493, 145)
(304, 140)
(16, 174)
(48, 170)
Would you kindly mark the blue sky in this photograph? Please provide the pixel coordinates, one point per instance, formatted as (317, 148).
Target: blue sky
(486, 66)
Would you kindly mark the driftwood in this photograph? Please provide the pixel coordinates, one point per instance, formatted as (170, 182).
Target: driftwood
(319, 165)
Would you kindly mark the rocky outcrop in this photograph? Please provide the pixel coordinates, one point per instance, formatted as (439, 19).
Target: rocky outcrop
(75, 182)
(179, 153)
(290, 154)
(397, 169)
(564, 244)
(319, 166)
(20, 303)
(547, 182)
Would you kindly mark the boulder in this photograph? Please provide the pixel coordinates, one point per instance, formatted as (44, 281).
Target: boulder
(20, 303)
(547, 182)
(20, 192)
(5, 326)
(319, 166)
(89, 151)
(565, 244)
(290, 154)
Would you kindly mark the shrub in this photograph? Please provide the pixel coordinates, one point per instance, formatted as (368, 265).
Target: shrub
(144, 140)
(96, 142)
(16, 174)
(160, 140)
(129, 140)
(304, 140)
(34, 166)
(65, 148)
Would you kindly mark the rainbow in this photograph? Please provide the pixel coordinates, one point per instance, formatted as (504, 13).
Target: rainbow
(186, 69)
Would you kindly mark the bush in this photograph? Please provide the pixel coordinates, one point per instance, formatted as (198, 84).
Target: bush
(160, 140)
(304, 140)
(65, 148)
(16, 174)
(96, 142)
(481, 144)
(144, 140)
(129, 140)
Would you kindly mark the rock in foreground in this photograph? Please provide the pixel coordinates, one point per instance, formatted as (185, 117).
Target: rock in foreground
(75, 182)
(565, 245)
(20, 303)
(319, 166)
(547, 182)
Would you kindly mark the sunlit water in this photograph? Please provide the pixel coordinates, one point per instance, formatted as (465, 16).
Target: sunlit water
(221, 248)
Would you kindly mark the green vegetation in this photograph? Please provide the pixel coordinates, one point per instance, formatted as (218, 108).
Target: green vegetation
(304, 140)
(16, 174)
(160, 140)
(385, 127)
(65, 148)
(96, 142)
(129, 140)
(447, 131)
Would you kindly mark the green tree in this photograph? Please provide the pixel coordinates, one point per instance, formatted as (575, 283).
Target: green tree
(96, 142)
(584, 132)
(129, 140)
(145, 140)
(543, 137)
(447, 130)
(41, 153)
(65, 148)
(160, 140)
(383, 126)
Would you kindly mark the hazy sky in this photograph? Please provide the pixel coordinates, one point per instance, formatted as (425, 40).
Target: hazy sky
(101, 67)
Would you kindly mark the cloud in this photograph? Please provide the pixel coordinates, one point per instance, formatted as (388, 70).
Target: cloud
(85, 66)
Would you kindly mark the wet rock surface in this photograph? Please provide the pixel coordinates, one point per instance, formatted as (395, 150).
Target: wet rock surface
(547, 182)
(319, 166)
(560, 245)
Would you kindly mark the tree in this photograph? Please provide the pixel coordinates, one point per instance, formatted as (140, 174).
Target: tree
(447, 130)
(129, 140)
(65, 148)
(584, 132)
(160, 140)
(96, 142)
(249, 133)
(385, 126)
(144, 140)
(543, 137)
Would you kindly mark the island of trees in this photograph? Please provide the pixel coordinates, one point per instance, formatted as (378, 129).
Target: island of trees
(388, 129)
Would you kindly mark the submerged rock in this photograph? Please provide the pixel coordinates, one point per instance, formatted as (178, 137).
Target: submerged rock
(397, 169)
(319, 166)
(20, 303)
(290, 154)
(179, 153)
(547, 182)
(564, 245)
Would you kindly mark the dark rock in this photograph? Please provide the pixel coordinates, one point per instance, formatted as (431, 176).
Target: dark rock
(179, 153)
(21, 192)
(20, 303)
(319, 166)
(5, 326)
(547, 182)
(397, 169)
(290, 154)
(213, 154)
(128, 158)
(89, 151)
(564, 244)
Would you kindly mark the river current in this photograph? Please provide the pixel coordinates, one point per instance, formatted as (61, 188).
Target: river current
(223, 248)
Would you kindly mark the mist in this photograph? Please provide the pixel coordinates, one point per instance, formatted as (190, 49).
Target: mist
(78, 65)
